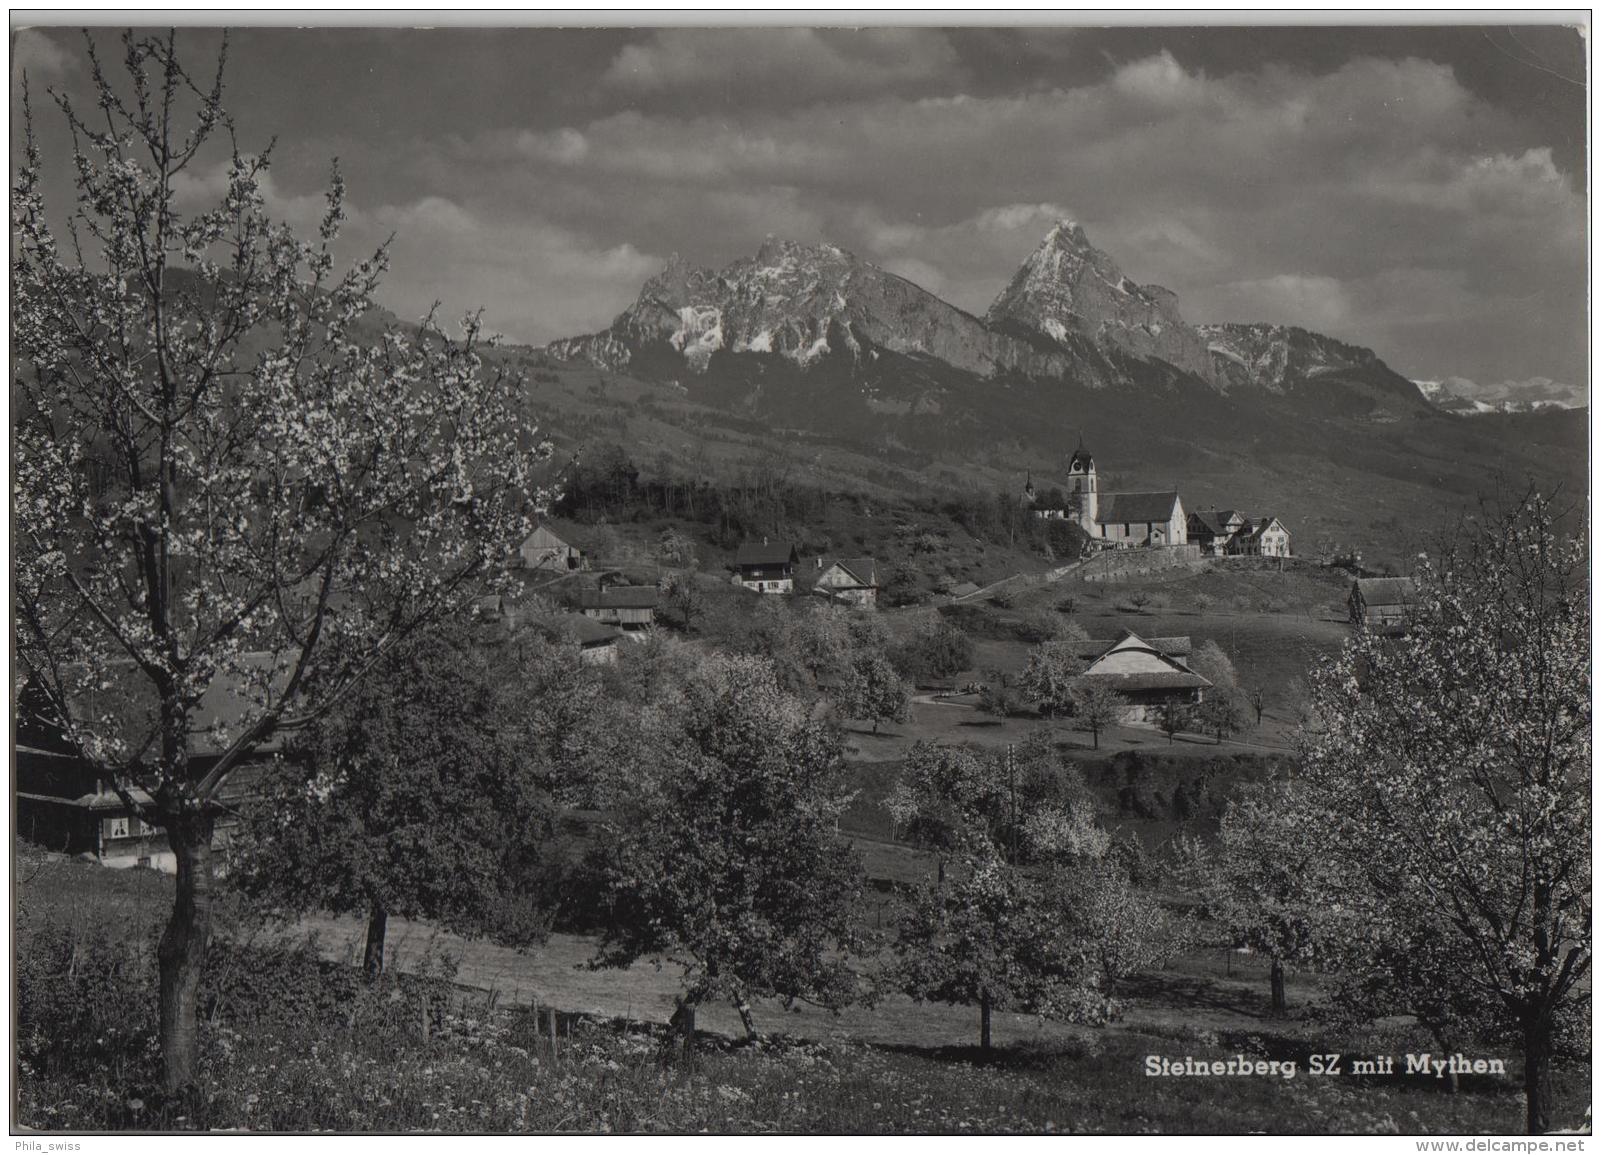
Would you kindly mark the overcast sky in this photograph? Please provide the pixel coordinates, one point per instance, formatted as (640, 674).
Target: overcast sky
(1418, 191)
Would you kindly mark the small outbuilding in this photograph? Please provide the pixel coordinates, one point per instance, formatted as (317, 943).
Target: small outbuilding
(543, 550)
(1383, 603)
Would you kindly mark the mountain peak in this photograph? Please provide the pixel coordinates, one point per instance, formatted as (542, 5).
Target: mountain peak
(1068, 288)
(1067, 232)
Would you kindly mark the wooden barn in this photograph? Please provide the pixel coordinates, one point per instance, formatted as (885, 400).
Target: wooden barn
(631, 609)
(1148, 674)
(543, 550)
(852, 581)
(1382, 603)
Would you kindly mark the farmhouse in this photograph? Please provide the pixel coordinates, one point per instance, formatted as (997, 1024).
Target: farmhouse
(63, 805)
(1382, 603)
(1214, 529)
(1148, 674)
(631, 609)
(543, 550)
(765, 568)
(853, 581)
(1263, 537)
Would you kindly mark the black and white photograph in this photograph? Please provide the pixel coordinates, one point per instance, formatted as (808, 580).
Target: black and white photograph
(897, 574)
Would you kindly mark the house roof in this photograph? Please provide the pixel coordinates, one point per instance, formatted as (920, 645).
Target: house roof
(962, 589)
(1386, 591)
(1213, 521)
(863, 569)
(760, 553)
(1132, 663)
(544, 538)
(1261, 525)
(586, 632)
(1127, 508)
(1173, 647)
(620, 598)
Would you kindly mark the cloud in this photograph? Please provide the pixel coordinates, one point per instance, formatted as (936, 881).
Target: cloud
(1378, 199)
(1291, 299)
(1160, 80)
(781, 65)
(535, 280)
(38, 55)
(959, 261)
(198, 190)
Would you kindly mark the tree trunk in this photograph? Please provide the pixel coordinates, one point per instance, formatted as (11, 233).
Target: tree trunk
(1537, 1076)
(984, 1021)
(1452, 1082)
(183, 948)
(372, 961)
(680, 1029)
(1095, 734)
(1276, 978)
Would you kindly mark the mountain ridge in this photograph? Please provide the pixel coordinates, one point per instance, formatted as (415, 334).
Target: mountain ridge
(1068, 315)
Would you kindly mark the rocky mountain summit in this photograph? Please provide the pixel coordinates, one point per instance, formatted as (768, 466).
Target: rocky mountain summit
(1452, 395)
(802, 302)
(1067, 285)
(1278, 357)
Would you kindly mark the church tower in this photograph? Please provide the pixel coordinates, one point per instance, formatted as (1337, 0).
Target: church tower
(1082, 488)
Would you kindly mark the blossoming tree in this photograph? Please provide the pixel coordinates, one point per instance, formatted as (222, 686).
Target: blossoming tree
(724, 856)
(1448, 775)
(1028, 911)
(224, 475)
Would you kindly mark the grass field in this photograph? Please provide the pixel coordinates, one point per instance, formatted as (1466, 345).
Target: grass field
(298, 1059)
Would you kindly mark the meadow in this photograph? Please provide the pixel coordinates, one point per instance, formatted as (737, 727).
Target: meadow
(454, 1039)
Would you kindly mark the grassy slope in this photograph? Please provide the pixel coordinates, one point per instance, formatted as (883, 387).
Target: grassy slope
(1383, 485)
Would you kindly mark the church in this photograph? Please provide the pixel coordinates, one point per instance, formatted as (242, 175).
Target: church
(1115, 520)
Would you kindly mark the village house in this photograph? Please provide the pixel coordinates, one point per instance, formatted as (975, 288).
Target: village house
(1382, 603)
(632, 609)
(1213, 529)
(1230, 533)
(64, 805)
(543, 550)
(766, 568)
(853, 581)
(1147, 674)
(1263, 537)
